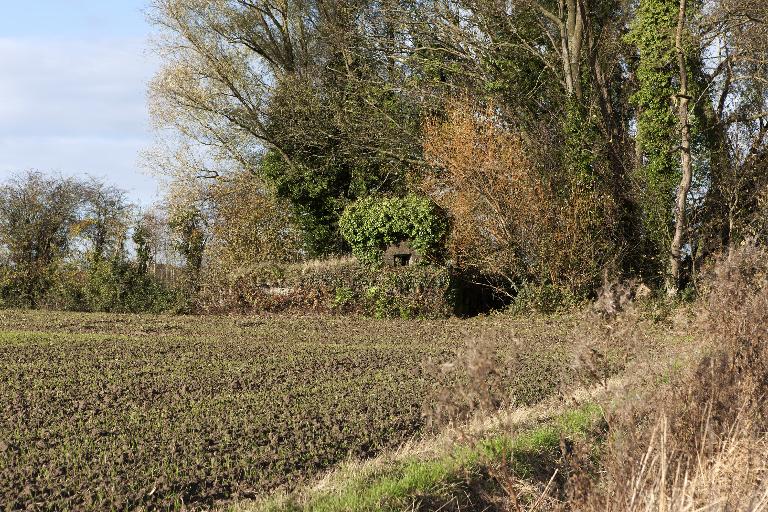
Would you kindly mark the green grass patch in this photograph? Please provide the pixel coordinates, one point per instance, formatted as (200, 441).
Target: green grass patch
(406, 484)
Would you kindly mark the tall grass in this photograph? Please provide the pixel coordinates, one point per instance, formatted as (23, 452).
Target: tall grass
(700, 442)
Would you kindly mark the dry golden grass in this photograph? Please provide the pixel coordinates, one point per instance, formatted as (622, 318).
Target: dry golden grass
(697, 441)
(732, 477)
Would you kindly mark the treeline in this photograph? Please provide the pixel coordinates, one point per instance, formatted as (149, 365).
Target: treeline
(535, 146)
(561, 140)
(78, 244)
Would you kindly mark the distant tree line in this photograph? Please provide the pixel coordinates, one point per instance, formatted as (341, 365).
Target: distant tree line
(78, 244)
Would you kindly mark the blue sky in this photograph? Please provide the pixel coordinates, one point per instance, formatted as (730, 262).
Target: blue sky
(73, 80)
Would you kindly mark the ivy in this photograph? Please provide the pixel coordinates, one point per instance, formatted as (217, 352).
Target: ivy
(653, 34)
(580, 144)
(371, 224)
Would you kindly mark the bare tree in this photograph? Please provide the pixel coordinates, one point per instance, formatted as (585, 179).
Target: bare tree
(734, 40)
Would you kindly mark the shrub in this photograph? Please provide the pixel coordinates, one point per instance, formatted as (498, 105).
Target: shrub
(113, 286)
(11, 295)
(373, 223)
(122, 287)
(514, 215)
(340, 287)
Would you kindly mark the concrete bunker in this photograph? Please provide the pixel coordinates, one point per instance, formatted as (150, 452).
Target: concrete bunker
(401, 254)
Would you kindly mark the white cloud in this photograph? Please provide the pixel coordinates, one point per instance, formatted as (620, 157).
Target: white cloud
(75, 107)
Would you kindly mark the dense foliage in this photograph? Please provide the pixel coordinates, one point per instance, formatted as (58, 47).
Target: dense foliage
(65, 245)
(510, 219)
(643, 124)
(373, 223)
(565, 142)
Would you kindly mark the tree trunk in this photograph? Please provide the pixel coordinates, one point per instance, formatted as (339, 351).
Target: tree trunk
(683, 100)
(571, 23)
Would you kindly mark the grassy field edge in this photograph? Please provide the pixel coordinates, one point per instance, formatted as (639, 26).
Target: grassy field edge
(443, 473)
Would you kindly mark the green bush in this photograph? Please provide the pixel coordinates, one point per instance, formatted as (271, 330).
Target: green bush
(373, 223)
(22, 287)
(8, 298)
(113, 286)
(119, 286)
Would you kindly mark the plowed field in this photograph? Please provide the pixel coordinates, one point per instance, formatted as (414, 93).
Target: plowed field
(122, 412)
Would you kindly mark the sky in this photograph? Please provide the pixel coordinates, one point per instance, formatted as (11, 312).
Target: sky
(73, 82)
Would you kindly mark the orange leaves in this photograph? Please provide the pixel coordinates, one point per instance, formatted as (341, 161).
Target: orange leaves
(510, 216)
(486, 184)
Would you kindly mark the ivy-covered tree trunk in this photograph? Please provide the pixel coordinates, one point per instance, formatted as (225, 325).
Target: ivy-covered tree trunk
(658, 175)
(683, 100)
